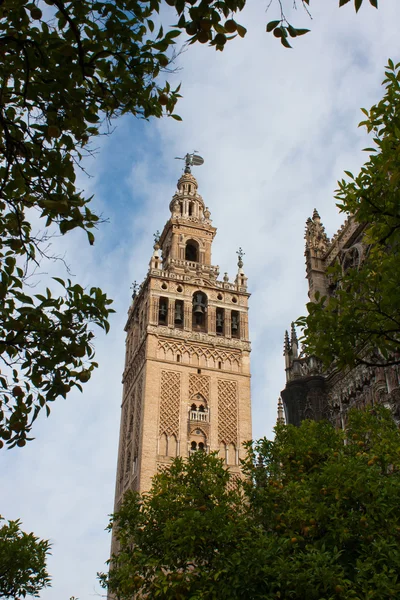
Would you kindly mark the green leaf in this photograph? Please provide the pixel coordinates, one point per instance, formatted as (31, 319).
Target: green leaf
(271, 25)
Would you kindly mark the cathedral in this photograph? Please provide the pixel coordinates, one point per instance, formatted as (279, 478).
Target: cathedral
(312, 392)
(186, 382)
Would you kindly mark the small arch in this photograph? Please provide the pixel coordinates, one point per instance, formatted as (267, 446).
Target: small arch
(219, 296)
(172, 446)
(164, 286)
(179, 289)
(192, 251)
(231, 454)
(163, 444)
(234, 300)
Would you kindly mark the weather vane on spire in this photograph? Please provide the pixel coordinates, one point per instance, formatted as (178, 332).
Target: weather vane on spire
(191, 160)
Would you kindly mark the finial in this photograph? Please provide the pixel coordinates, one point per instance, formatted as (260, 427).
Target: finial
(293, 334)
(315, 214)
(226, 277)
(191, 160)
(281, 414)
(240, 254)
(134, 287)
(156, 237)
(286, 343)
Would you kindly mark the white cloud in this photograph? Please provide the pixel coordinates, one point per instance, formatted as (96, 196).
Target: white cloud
(276, 128)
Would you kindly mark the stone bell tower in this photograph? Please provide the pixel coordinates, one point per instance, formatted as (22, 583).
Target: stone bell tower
(186, 383)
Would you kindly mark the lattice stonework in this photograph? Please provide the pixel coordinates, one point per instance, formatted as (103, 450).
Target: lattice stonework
(170, 400)
(138, 417)
(199, 384)
(227, 412)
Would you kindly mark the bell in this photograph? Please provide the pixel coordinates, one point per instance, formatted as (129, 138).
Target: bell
(178, 314)
(199, 308)
(220, 320)
(235, 324)
(163, 310)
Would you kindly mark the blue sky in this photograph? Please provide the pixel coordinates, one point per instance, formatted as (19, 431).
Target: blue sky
(276, 128)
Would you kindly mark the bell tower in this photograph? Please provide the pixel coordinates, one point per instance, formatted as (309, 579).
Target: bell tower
(186, 383)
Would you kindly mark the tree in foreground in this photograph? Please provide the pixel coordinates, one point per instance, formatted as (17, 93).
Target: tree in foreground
(22, 562)
(359, 322)
(316, 517)
(67, 69)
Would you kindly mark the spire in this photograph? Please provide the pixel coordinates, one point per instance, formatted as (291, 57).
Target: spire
(281, 413)
(286, 344)
(294, 344)
(315, 235)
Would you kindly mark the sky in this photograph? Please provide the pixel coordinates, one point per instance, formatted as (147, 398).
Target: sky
(276, 128)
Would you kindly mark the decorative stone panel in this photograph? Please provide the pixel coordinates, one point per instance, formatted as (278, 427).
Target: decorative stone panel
(170, 400)
(227, 411)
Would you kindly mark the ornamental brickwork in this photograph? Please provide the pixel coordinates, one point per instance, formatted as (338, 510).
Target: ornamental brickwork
(186, 382)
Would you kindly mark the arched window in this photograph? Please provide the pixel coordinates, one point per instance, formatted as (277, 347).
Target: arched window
(192, 251)
(193, 446)
(220, 319)
(178, 316)
(235, 324)
(199, 312)
(163, 311)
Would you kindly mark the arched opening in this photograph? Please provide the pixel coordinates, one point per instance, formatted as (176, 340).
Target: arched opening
(162, 448)
(163, 311)
(197, 441)
(178, 315)
(199, 312)
(235, 324)
(220, 321)
(198, 409)
(192, 251)
(172, 446)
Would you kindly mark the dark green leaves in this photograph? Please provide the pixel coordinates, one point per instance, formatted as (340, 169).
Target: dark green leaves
(23, 561)
(362, 311)
(315, 516)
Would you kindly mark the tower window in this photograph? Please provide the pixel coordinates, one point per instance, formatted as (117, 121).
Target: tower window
(219, 365)
(192, 251)
(220, 320)
(235, 324)
(178, 315)
(199, 311)
(178, 358)
(190, 208)
(163, 311)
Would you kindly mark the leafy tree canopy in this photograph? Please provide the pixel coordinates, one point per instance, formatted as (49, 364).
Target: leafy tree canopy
(316, 517)
(66, 70)
(22, 562)
(360, 321)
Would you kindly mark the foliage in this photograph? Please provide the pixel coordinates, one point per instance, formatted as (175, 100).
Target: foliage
(66, 69)
(22, 562)
(283, 30)
(364, 311)
(316, 517)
